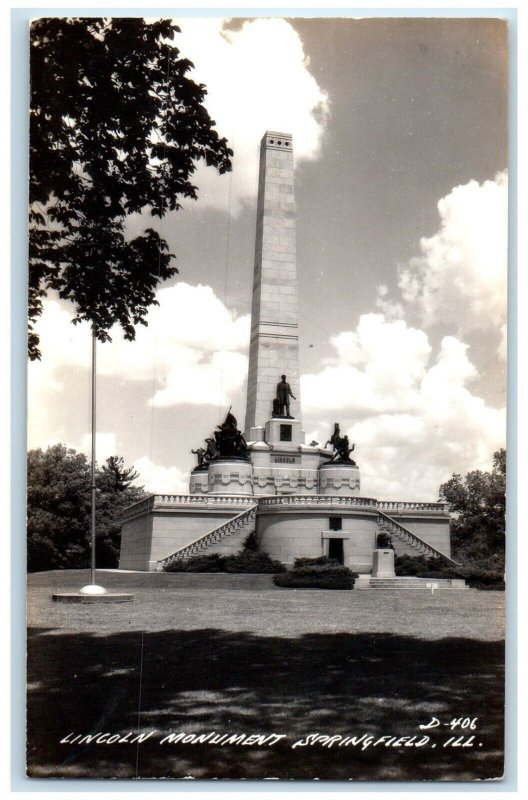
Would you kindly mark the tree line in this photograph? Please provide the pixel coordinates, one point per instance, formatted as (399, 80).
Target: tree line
(477, 503)
(59, 508)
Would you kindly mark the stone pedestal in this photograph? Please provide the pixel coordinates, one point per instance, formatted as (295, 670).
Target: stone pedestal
(259, 452)
(199, 482)
(339, 479)
(283, 432)
(230, 476)
(383, 564)
(255, 434)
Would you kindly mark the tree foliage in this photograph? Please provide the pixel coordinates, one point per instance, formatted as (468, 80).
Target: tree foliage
(116, 127)
(59, 508)
(478, 503)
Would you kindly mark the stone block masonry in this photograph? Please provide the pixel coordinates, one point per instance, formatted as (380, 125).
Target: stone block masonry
(274, 343)
(301, 499)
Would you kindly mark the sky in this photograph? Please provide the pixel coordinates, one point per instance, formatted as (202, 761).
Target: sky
(400, 144)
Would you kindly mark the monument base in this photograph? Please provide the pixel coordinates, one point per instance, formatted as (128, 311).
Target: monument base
(383, 564)
(199, 480)
(339, 478)
(233, 476)
(283, 432)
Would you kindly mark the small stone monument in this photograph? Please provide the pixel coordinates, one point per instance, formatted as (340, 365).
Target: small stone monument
(383, 564)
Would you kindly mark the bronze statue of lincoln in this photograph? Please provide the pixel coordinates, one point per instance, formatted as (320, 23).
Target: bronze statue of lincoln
(284, 393)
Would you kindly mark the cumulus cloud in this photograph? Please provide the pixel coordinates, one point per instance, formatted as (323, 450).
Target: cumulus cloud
(377, 368)
(408, 409)
(257, 79)
(161, 480)
(105, 445)
(503, 344)
(460, 276)
(408, 406)
(192, 351)
(203, 383)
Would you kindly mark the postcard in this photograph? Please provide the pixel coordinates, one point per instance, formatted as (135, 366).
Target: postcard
(267, 398)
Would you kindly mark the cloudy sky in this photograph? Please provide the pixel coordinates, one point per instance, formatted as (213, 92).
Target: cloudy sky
(400, 143)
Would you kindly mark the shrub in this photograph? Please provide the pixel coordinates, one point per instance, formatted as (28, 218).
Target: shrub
(411, 566)
(479, 577)
(205, 563)
(487, 574)
(250, 561)
(299, 563)
(439, 573)
(317, 576)
(246, 561)
(251, 542)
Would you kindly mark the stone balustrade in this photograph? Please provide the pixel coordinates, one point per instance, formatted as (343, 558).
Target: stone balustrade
(394, 528)
(155, 501)
(404, 507)
(190, 499)
(227, 501)
(318, 500)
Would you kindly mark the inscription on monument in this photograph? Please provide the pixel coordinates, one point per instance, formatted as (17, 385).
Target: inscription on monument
(286, 459)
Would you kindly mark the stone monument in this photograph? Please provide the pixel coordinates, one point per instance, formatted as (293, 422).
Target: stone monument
(302, 500)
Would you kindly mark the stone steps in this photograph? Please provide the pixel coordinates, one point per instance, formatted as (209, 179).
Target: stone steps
(387, 524)
(239, 524)
(427, 584)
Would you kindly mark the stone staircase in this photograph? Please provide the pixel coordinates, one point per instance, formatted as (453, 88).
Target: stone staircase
(420, 584)
(389, 525)
(241, 523)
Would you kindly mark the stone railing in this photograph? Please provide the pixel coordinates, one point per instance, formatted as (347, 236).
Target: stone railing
(386, 523)
(140, 507)
(387, 506)
(317, 500)
(192, 499)
(185, 500)
(226, 501)
(225, 529)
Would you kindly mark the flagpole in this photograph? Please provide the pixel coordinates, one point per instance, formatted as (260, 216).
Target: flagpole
(92, 593)
(92, 587)
(93, 486)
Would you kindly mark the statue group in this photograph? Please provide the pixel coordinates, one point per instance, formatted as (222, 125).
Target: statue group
(341, 447)
(225, 442)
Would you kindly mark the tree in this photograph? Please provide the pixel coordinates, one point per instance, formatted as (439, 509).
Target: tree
(478, 503)
(59, 515)
(115, 477)
(116, 492)
(116, 127)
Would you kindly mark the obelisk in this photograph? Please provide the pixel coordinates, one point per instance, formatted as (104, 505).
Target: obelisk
(274, 343)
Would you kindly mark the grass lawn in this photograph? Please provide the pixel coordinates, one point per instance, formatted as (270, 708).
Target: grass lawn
(233, 655)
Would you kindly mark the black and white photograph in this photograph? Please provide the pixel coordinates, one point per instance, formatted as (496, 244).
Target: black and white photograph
(266, 418)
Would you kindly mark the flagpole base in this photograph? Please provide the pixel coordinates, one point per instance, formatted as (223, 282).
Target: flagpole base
(92, 588)
(79, 597)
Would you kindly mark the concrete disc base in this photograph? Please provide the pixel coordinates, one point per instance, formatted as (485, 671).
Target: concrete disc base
(92, 588)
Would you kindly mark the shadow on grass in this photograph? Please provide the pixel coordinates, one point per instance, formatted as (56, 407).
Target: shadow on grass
(233, 683)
